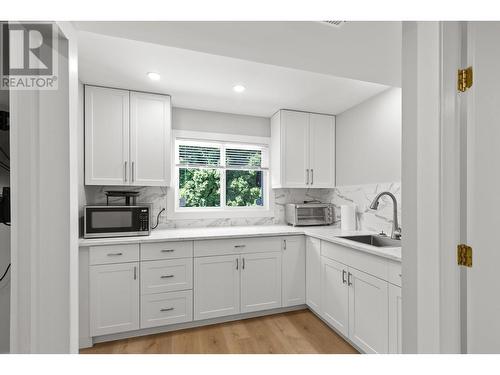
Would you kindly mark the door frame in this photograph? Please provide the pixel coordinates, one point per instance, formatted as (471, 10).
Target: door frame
(44, 180)
(431, 176)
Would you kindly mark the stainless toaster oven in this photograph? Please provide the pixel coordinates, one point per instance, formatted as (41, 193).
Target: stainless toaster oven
(303, 214)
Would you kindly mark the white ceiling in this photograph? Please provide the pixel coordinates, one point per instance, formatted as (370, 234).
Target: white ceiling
(202, 80)
(367, 51)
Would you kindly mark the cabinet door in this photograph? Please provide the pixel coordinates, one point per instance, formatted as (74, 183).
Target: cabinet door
(368, 312)
(322, 151)
(106, 136)
(295, 150)
(335, 294)
(313, 274)
(294, 271)
(114, 298)
(395, 320)
(150, 126)
(216, 286)
(260, 281)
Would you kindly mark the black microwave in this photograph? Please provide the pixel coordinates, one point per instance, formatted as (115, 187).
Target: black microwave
(116, 221)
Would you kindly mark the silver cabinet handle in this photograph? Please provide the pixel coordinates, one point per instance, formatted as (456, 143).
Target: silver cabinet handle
(284, 244)
(243, 265)
(349, 282)
(237, 263)
(133, 171)
(167, 309)
(312, 176)
(166, 276)
(135, 272)
(343, 277)
(125, 171)
(307, 176)
(114, 254)
(239, 246)
(167, 250)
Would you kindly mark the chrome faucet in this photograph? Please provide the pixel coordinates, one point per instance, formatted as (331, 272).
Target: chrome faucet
(396, 230)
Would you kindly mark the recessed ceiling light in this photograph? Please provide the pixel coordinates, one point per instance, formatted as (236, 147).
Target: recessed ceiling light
(153, 76)
(238, 88)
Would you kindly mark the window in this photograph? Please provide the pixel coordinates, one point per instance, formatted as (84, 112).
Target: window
(213, 175)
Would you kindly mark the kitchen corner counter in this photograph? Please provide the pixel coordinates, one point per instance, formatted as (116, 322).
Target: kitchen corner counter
(326, 233)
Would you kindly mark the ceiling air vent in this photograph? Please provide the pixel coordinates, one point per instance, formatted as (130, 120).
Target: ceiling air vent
(334, 23)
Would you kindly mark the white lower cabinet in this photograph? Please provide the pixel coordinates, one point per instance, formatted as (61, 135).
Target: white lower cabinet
(166, 308)
(362, 307)
(114, 298)
(335, 295)
(260, 281)
(313, 274)
(368, 312)
(294, 271)
(216, 286)
(395, 320)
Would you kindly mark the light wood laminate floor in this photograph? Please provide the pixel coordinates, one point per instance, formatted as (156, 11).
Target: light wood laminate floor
(288, 333)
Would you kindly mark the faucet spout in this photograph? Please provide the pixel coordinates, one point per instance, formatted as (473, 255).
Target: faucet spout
(396, 230)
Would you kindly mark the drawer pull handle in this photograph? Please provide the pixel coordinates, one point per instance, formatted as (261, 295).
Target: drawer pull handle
(167, 309)
(166, 276)
(343, 276)
(167, 250)
(349, 282)
(114, 254)
(239, 246)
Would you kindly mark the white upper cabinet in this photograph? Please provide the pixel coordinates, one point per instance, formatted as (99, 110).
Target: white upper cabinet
(321, 151)
(106, 136)
(303, 150)
(127, 137)
(149, 139)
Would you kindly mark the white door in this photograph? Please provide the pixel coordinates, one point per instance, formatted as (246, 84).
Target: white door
(106, 136)
(313, 274)
(260, 281)
(395, 320)
(483, 175)
(295, 149)
(216, 286)
(335, 295)
(322, 150)
(294, 271)
(114, 298)
(150, 128)
(368, 312)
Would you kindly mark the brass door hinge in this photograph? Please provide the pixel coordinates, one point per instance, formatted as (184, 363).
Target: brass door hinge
(464, 79)
(464, 255)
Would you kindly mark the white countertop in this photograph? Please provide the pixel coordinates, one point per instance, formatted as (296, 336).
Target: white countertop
(326, 233)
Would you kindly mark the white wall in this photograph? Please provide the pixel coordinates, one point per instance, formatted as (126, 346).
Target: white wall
(218, 122)
(368, 140)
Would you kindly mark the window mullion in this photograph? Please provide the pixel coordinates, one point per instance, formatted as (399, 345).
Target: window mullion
(223, 177)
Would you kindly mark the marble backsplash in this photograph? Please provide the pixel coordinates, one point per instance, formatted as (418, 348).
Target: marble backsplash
(157, 196)
(360, 195)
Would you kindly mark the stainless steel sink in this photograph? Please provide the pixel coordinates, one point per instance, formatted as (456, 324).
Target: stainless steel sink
(378, 241)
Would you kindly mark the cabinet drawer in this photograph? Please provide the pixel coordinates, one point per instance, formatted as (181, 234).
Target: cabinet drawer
(166, 308)
(368, 263)
(113, 254)
(395, 273)
(237, 246)
(159, 276)
(166, 250)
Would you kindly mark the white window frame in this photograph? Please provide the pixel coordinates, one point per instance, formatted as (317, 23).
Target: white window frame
(176, 212)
